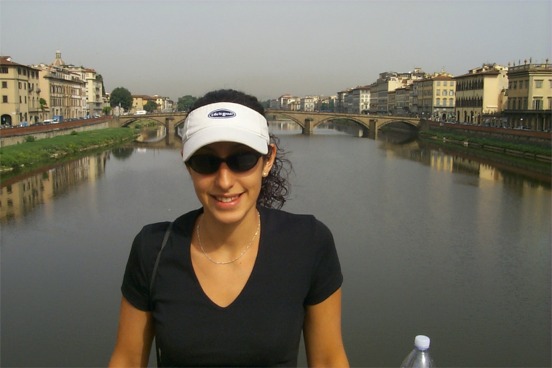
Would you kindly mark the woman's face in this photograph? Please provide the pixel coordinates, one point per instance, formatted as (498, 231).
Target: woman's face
(229, 196)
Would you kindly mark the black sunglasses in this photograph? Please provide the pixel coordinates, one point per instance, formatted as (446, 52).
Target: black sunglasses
(209, 164)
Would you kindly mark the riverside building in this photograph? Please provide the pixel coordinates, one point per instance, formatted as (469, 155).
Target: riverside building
(529, 96)
(20, 102)
(481, 94)
(434, 97)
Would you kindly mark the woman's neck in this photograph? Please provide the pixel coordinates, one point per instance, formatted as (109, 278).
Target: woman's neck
(216, 234)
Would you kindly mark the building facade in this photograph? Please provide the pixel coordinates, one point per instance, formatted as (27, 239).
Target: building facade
(63, 87)
(360, 100)
(20, 102)
(308, 103)
(389, 82)
(481, 94)
(139, 101)
(529, 96)
(164, 104)
(403, 101)
(435, 97)
(94, 96)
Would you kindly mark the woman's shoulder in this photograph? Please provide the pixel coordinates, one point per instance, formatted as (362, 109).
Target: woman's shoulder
(182, 222)
(279, 220)
(281, 215)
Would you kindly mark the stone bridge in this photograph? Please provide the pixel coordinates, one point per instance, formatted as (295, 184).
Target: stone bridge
(171, 120)
(370, 124)
(308, 121)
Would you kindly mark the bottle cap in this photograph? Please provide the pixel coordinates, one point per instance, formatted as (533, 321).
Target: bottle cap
(422, 342)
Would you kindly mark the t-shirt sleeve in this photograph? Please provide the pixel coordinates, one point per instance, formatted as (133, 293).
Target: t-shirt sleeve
(327, 277)
(146, 244)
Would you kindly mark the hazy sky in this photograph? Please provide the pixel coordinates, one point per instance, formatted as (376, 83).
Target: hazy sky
(268, 48)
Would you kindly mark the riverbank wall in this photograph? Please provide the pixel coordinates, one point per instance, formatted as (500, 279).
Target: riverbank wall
(11, 136)
(543, 139)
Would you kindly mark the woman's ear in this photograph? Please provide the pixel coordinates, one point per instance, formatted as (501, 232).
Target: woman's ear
(269, 159)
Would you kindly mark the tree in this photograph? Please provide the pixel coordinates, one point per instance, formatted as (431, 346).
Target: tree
(100, 79)
(184, 103)
(106, 110)
(122, 96)
(43, 104)
(150, 106)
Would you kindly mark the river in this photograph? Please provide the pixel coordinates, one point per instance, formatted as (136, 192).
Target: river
(430, 243)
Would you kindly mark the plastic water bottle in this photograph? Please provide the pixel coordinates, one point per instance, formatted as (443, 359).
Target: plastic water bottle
(419, 357)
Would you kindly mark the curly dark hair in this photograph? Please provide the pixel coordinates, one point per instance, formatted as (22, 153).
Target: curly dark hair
(275, 186)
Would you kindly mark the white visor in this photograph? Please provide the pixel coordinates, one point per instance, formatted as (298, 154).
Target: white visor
(224, 122)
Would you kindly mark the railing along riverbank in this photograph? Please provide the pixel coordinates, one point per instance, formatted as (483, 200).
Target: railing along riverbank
(15, 135)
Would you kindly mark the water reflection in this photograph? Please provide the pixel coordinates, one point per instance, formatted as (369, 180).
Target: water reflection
(485, 165)
(20, 195)
(152, 134)
(284, 127)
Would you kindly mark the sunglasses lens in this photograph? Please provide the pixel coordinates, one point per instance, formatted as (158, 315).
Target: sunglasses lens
(242, 162)
(204, 164)
(209, 164)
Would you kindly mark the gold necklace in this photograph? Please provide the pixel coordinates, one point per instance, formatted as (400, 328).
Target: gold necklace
(243, 251)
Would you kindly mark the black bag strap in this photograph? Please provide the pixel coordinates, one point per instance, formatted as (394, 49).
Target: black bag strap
(154, 273)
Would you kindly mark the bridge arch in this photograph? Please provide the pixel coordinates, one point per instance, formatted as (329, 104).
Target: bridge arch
(415, 124)
(134, 119)
(329, 119)
(289, 116)
(310, 123)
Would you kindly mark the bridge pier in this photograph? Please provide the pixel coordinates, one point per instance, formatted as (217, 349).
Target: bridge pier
(373, 132)
(309, 127)
(169, 136)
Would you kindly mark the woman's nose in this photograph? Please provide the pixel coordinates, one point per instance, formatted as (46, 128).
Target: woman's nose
(224, 176)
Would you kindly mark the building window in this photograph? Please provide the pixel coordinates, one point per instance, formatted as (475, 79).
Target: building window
(4, 70)
(537, 103)
(4, 84)
(538, 83)
(4, 99)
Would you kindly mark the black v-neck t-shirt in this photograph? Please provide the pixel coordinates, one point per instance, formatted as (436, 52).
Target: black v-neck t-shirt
(296, 266)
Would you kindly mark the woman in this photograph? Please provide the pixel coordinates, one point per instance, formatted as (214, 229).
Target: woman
(238, 281)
